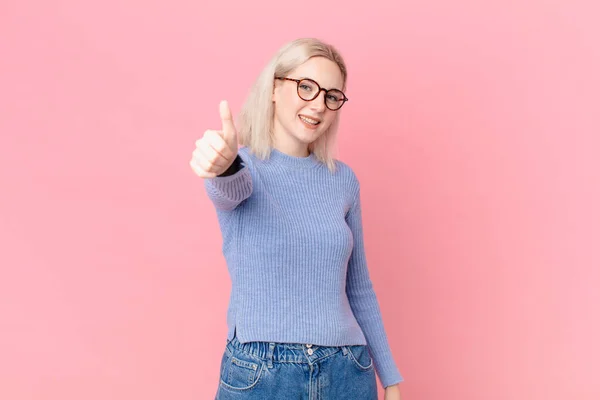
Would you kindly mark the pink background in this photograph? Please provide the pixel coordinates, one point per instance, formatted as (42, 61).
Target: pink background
(473, 126)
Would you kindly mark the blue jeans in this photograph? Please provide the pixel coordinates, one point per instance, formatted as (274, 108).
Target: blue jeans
(263, 370)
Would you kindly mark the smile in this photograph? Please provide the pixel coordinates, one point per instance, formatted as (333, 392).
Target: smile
(309, 120)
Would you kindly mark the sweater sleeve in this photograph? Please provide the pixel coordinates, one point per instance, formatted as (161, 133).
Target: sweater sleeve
(229, 189)
(363, 300)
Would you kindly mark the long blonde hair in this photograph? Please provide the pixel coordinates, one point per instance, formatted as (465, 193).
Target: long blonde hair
(255, 120)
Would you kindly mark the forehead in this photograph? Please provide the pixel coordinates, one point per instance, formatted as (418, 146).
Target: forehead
(324, 71)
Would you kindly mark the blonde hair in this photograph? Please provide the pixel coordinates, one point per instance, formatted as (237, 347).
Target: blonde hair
(255, 121)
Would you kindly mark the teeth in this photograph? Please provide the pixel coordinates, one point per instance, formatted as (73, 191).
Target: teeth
(308, 120)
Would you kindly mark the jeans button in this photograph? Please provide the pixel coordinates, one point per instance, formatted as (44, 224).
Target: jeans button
(310, 352)
(309, 345)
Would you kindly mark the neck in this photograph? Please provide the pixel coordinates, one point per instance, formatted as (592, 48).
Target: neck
(288, 145)
(300, 153)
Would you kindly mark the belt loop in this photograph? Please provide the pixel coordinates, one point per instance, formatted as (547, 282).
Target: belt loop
(344, 350)
(270, 355)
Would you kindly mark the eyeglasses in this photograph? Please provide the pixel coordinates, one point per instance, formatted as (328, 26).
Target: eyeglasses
(309, 90)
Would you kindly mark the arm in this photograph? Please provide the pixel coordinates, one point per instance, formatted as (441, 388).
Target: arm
(392, 392)
(229, 189)
(363, 300)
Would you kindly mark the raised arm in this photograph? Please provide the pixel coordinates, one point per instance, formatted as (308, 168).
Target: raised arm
(227, 179)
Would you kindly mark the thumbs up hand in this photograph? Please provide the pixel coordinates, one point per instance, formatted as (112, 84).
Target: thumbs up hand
(216, 150)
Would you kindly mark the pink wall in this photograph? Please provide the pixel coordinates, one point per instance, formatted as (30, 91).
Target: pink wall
(473, 127)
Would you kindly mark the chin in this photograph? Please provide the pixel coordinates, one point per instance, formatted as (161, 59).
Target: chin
(305, 136)
(308, 139)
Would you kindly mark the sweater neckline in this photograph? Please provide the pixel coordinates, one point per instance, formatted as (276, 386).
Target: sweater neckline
(293, 161)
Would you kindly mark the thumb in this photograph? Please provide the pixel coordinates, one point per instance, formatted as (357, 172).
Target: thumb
(229, 131)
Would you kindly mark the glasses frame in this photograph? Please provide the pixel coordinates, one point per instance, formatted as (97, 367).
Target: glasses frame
(345, 99)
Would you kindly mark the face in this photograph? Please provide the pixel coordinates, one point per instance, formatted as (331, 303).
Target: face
(292, 133)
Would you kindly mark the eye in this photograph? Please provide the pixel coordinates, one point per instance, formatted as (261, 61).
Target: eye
(305, 87)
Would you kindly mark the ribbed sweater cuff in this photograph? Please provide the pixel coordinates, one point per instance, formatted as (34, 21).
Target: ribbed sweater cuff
(390, 377)
(230, 190)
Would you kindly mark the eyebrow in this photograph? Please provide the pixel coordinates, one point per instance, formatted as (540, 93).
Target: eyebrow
(306, 77)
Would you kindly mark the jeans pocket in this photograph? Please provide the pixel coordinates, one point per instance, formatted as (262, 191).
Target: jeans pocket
(239, 370)
(361, 357)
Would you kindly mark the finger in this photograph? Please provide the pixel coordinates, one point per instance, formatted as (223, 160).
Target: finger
(214, 158)
(218, 144)
(229, 130)
(200, 172)
(201, 161)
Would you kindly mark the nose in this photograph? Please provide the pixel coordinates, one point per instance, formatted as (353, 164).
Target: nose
(318, 103)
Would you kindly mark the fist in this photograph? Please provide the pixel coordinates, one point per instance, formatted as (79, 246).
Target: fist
(216, 150)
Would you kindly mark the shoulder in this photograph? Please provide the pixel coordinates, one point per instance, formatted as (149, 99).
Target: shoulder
(345, 171)
(243, 152)
(349, 177)
(246, 156)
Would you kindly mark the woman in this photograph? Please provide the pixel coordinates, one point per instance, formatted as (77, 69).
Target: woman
(303, 319)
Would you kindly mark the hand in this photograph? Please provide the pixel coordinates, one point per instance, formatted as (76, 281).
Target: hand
(392, 392)
(216, 150)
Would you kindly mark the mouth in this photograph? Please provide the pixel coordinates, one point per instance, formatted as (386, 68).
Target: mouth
(309, 122)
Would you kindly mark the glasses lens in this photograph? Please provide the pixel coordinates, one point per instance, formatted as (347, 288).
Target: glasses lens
(307, 90)
(334, 99)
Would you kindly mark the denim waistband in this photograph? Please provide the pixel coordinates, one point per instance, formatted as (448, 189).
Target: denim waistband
(285, 352)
